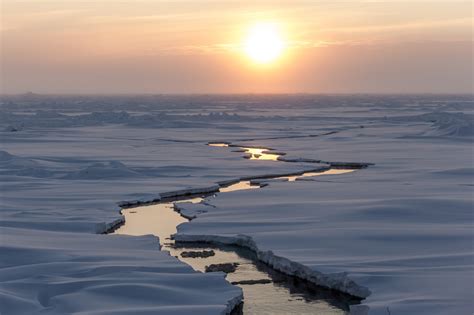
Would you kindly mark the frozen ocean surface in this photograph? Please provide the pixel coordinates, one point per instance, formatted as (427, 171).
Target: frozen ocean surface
(402, 227)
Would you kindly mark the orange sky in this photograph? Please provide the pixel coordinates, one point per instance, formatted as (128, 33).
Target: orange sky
(151, 46)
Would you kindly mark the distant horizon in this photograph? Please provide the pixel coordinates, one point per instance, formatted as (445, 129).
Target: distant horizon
(239, 94)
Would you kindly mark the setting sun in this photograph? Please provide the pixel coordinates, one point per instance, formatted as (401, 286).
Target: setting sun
(264, 43)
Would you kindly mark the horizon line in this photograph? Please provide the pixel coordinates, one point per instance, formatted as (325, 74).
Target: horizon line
(235, 94)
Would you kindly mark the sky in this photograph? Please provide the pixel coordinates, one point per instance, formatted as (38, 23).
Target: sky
(153, 46)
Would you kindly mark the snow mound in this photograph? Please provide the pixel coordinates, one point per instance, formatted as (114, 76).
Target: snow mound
(467, 172)
(104, 170)
(20, 166)
(444, 124)
(48, 272)
(450, 124)
(5, 156)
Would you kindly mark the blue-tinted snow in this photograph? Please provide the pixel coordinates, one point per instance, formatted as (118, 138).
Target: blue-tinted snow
(402, 228)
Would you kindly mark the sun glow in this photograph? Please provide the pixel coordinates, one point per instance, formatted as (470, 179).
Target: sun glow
(264, 43)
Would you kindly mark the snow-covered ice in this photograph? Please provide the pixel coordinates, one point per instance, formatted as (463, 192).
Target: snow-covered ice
(401, 228)
(68, 272)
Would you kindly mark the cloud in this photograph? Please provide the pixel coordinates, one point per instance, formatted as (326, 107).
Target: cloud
(403, 26)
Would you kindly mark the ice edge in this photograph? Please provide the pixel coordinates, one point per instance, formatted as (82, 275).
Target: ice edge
(233, 303)
(335, 281)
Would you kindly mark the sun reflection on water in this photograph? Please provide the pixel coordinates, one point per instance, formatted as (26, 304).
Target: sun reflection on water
(218, 144)
(242, 185)
(261, 154)
(332, 171)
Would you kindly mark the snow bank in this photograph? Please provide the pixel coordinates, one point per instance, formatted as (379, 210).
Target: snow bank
(69, 273)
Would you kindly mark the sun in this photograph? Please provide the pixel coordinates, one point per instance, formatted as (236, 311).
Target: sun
(264, 43)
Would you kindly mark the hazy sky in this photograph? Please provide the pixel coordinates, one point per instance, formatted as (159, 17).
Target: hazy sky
(152, 46)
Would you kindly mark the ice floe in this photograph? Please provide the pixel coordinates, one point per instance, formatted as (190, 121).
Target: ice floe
(401, 228)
